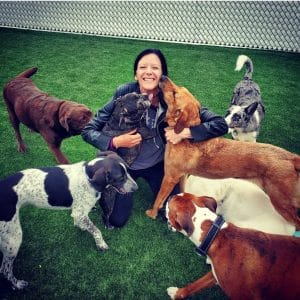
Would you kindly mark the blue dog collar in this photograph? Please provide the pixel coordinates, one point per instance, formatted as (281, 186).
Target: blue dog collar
(212, 233)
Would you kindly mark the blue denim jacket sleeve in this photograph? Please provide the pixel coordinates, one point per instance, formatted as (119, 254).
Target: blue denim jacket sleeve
(92, 132)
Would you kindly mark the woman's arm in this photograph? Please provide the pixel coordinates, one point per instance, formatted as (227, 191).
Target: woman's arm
(92, 134)
(212, 125)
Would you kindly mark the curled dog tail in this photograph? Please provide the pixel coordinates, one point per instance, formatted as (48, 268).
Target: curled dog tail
(28, 73)
(244, 60)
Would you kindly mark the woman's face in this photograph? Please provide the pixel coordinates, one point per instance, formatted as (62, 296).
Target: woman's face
(148, 73)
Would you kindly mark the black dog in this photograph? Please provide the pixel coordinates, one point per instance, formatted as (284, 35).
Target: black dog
(75, 186)
(129, 113)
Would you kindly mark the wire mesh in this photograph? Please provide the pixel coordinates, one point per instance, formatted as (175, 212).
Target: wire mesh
(272, 25)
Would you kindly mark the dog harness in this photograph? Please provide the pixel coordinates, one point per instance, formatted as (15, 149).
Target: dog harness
(211, 234)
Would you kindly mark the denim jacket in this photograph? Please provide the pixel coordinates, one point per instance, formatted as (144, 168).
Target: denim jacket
(212, 124)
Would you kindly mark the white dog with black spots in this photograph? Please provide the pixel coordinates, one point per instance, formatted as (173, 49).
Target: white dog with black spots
(76, 186)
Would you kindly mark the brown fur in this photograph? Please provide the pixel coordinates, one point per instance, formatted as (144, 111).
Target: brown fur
(54, 119)
(249, 264)
(275, 169)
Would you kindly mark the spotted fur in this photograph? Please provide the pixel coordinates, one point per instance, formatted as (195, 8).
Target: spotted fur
(246, 111)
(76, 187)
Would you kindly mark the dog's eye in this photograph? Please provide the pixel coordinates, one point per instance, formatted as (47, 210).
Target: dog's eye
(236, 117)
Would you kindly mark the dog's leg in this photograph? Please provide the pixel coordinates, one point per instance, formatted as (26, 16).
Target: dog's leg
(84, 223)
(202, 283)
(107, 203)
(16, 126)
(10, 244)
(54, 142)
(7, 271)
(166, 188)
(60, 157)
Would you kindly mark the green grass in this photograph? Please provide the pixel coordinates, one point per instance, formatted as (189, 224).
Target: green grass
(144, 258)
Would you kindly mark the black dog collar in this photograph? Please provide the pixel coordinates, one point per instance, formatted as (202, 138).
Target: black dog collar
(212, 233)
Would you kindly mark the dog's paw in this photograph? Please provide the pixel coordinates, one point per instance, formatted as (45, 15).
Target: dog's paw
(151, 213)
(20, 285)
(102, 246)
(172, 292)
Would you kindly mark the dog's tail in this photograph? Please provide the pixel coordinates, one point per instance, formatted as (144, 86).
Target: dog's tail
(28, 73)
(244, 60)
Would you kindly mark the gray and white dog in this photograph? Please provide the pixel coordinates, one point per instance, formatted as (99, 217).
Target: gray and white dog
(246, 111)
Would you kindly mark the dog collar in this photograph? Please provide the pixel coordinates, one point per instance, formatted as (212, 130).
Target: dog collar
(212, 233)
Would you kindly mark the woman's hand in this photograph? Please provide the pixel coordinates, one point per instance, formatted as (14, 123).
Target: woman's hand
(175, 138)
(127, 140)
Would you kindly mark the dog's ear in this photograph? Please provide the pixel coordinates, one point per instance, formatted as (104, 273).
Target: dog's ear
(63, 115)
(188, 117)
(181, 122)
(184, 221)
(250, 109)
(99, 179)
(210, 203)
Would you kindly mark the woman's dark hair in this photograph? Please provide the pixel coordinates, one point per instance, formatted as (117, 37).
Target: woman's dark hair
(156, 52)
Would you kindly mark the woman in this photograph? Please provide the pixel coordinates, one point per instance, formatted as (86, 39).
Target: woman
(149, 66)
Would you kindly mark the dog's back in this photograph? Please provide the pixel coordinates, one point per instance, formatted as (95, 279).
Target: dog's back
(241, 202)
(18, 87)
(246, 111)
(267, 265)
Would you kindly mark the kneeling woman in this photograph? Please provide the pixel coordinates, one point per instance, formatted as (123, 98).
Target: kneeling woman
(149, 66)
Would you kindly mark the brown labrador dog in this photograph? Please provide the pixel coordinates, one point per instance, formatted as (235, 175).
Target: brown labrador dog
(54, 119)
(274, 169)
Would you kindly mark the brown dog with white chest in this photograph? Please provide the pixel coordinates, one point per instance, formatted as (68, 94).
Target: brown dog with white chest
(276, 170)
(54, 119)
(246, 263)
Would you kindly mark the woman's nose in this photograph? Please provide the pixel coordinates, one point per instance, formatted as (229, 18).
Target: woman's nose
(149, 70)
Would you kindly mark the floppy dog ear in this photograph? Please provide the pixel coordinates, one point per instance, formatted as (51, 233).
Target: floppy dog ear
(63, 115)
(210, 203)
(181, 122)
(184, 221)
(188, 117)
(99, 179)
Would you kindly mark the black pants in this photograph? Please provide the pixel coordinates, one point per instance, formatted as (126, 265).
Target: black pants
(124, 203)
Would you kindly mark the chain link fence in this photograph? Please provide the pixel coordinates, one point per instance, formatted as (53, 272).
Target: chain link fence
(270, 25)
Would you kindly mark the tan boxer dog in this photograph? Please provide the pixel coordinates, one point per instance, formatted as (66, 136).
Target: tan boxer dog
(246, 263)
